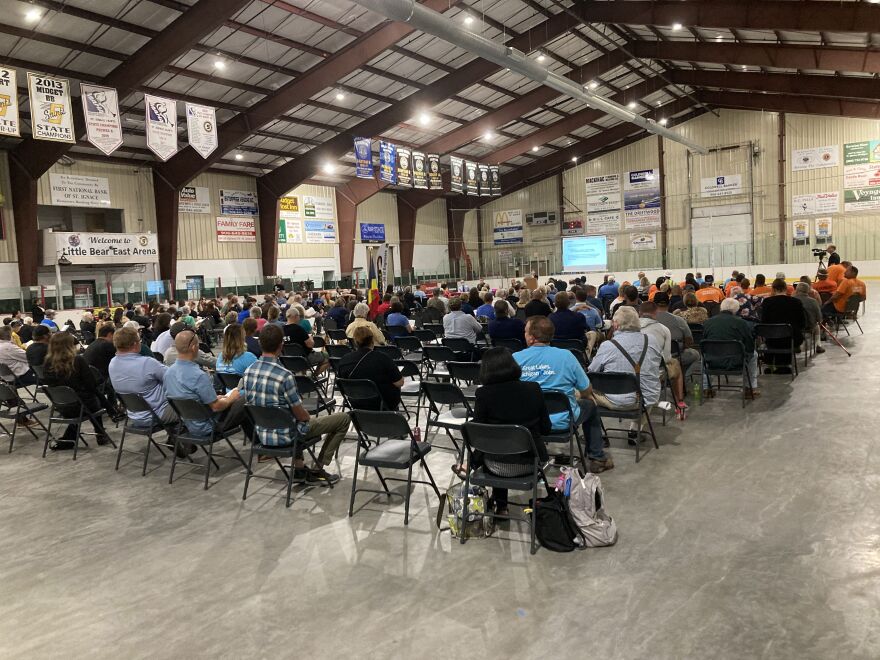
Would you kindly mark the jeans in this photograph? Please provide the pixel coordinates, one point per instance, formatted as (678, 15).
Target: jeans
(588, 418)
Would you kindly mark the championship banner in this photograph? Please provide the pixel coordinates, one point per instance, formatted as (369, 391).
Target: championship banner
(101, 111)
(435, 180)
(363, 158)
(387, 162)
(495, 180)
(9, 123)
(404, 167)
(161, 122)
(484, 183)
(470, 178)
(456, 178)
(201, 128)
(420, 170)
(51, 118)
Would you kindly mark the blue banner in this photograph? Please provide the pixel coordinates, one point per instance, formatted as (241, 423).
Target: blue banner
(372, 232)
(363, 156)
(388, 162)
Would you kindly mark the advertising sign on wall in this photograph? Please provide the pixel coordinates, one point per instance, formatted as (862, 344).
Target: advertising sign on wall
(611, 243)
(507, 227)
(319, 231)
(289, 206)
(101, 111)
(814, 203)
(194, 199)
(641, 200)
(815, 158)
(101, 248)
(289, 230)
(601, 223)
(317, 207)
(721, 186)
(76, 190)
(372, 232)
(603, 193)
(236, 230)
(9, 120)
(642, 241)
(51, 116)
(861, 189)
(238, 202)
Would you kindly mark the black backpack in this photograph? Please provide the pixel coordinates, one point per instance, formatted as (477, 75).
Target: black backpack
(554, 526)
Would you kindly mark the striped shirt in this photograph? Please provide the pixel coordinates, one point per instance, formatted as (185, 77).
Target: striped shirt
(266, 383)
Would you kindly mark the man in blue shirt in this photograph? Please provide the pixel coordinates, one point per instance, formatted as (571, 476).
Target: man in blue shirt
(133, 373)
(186, 380)
(610, 288)
(557, 369)
(486, 309)
(566, 323)
(49, 320)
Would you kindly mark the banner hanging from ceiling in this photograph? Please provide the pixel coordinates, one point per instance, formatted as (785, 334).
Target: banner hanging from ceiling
(435, 180)
(470, 178)
(161, 120)
(495, 180)
(404, 167)
(363, 157)
(9, 121)
(201, 128)
(51, 118)
(101, 111)
(456, 178)
(484, 183)
(420, 171)
(387, 162)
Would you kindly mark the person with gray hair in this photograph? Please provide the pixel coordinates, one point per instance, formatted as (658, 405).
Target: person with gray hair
(438, 302)
(361, 312)
(812, 312)
(729, 326)
(629, 347)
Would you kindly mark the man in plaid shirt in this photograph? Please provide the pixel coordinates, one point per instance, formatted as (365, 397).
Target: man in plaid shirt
(267, 383)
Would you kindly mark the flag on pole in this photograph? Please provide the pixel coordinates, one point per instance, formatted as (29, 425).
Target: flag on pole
(373, 296)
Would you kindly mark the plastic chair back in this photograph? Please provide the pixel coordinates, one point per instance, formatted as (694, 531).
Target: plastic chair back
(499, 439)
(381, 424)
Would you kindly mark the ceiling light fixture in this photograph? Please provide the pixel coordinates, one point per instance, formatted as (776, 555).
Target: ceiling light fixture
(340, 96)
(664, 121)
(631, 105)
(468, 20)
(676, 27)
(329, 168)
(535, 148)
(33, 15)
(574, 159)
(238, 157)
(719, 38)
(541, 57)
(424, 119)
(593, 85)
(219, 65)
(488, 135)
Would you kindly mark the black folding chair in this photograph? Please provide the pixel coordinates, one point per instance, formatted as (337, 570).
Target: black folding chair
(190, 410)
(557, 402)
(712, 308)
(513, 345)
(620, 384)
(436, 328)
(300, 365)
(464, 350)
(390, 350)
(395, 449)
(777, 332)
(696, 333)
(569, 344)
(227, 380)
(436, 359)
(360, 394)
(312, 398)
(338, 350)
(12, 407)
(397, 330)
(293, 350)
(135, 403)
(460, 411)
(503, 440)
(729, 359)
(412, 388)
(7, 375)
(466, 375)
(62, 397)
(425, 336)
(337, 335)
(318, 342)
(276, 419)
(850, 313)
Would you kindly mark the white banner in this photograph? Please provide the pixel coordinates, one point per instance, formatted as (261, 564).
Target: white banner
(815, 203)
(236, 230)
(101, 111)
(194, 199)
(601, 223)
(603, 193)
(317, 207)
(201, 127)
(161, 121)
(721, 186)
(800, 232)
(75, 190)
(290, 230)
(642, 219)
(815, 158)
(51, 116)
(861, 176)
(103, 248)
(611, 243)
(320, 231)
(9, 122)
(823, 229)
(643, 241)
(507, 227)
(238, 202)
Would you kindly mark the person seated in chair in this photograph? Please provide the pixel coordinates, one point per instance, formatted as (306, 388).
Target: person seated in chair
(487, 309)
(361, 311)
(780, 308)
(366, 364)
(849, 286)
(459, 324)
(652, 327)
(727, 326)
(202, 358)
(812, 312)
(823, 284)
(505, 399)
(629, 347)
(567, 324)
(133, 373)
(692, 313)
(505, 326)
(39, 346)
(397, 320)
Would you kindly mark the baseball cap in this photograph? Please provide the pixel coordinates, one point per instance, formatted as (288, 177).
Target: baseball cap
(177, 328)
(661, 298)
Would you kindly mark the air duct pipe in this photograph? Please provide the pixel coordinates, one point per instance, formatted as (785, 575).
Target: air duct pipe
(432, 22)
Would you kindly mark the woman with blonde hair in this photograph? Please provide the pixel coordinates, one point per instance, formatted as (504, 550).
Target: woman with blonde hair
(692, 312)
(64, 366)
(235, 357)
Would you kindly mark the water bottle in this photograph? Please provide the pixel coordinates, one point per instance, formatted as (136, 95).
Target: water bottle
(417, 434)
(698, 391)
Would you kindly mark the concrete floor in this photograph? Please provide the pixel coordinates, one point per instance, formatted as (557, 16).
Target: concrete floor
(749, 534)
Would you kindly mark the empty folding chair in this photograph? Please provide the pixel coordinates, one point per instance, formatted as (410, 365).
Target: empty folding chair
(453, 419)
(622, 384)
(503, 440)
(724, 357)
(337, 335)
(395, 449)
(312, 399)
(778, 333)
(293, 350)
(318, 342)
(13, 408)
(466, 375)
(190, 410)
(137, 404)
(397, 331)
(436, 328)
(227, 380)
(412, 385)
(390, 350)
(338, 350)
(464, 350)
(425, 336)
(436, 358)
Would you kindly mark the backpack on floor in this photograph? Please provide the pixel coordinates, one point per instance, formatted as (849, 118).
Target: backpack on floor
(586, 502)
(477, 524)
(555, 528)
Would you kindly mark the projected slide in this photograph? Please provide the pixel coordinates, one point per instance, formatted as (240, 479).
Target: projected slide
(584, 254)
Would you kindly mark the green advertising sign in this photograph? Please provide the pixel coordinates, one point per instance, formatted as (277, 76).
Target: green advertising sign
(282, 231)
(861, 153)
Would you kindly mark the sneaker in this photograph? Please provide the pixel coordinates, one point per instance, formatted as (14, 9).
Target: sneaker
(61, 445)
(103, 439)
(184, 449)
(753, 394)
(631, 438)
(819, 349)
(598, 465)
(319, 474)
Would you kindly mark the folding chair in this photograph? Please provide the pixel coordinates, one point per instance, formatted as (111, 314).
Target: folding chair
(8, 376)
(412, 388)
(780, 332)
(850, 313)
(312, 399)
(338, 350)
(513, 345)
(190, 410)
(463, 349)
(337, 335)
(729, 357)
(619, 384)
(436, 359)
(300, 365)
(360, 394)
(570, 344)
(318, 342)
(397, 331)
(460, 411)
(436, 328)
(425, 336)
(466, 375)
(12, 407)
(503, 440)
(275, 419)
(227, 380)
(557, 402)
(411, 347)
(137, 404)
(696, 333)
(293, 350)
(61, 397)
(390, 350)
(396, 449)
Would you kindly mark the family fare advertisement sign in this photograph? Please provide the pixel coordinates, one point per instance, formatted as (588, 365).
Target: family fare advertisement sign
(81, 248)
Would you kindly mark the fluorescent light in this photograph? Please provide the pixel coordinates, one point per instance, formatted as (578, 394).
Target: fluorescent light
(535, 148)
(676, 27)
(219, 65)
(468, 20)
(238, 156)
(329, 168)
(631, 105)
(541, 57)
(593, 85)
(719, 38)
(664, 121)
(488, 135)
(424, 119)
(33, 15)
(340, 96)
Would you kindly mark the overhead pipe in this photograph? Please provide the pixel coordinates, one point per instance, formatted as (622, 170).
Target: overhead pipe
(432, 22)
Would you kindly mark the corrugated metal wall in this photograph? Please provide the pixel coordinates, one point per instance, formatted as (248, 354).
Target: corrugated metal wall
(431, 226)
(8, 253)
(312, 250)
(381, 208)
